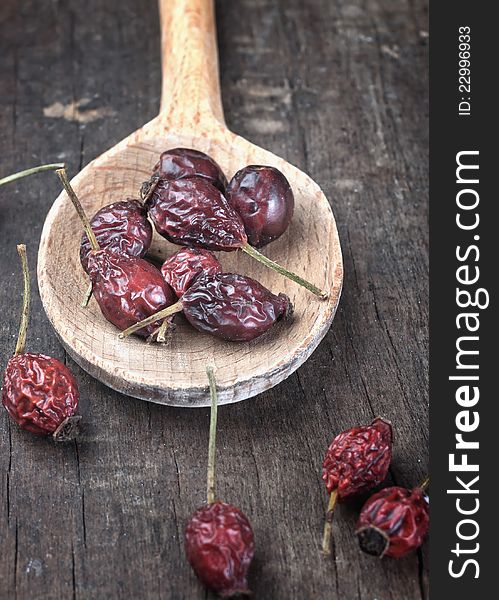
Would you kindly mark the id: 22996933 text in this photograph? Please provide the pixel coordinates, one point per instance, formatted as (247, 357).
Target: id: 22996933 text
(464, 70)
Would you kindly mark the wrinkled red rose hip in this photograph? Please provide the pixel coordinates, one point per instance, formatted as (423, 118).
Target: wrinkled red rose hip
(39, 392)
(182, 268)
(193, 212)
(122, 227)
(219, 545)
(393, 522)
(186, 163)
(229, 306)
(128, 289)
(264, 200)
(233, 307)
(358, 459)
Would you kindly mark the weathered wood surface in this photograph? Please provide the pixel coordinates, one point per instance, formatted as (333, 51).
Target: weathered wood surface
(337, 88)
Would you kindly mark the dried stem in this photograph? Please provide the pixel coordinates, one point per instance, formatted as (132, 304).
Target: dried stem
(87, 296)
(79, 208)
(425, 483)
(32, 171)
(162, 331)
(276, 267)
(328, 525)
(23, 326)
(161, 314)
(210, 487)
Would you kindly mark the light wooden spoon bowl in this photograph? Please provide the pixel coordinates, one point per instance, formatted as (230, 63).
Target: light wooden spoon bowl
(191, 116)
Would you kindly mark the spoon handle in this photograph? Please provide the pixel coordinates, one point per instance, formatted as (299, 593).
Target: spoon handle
(190, 90)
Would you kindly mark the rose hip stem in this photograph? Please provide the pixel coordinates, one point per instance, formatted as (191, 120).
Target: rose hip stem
(163, 328)
(79, 208)
(32, 171)
(23, 326)
(254, 253)
(161, 314)
(210, 479)
(328, 525)
(87, 296)
(86, 224)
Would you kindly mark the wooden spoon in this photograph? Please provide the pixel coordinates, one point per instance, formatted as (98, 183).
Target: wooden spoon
(191, 116)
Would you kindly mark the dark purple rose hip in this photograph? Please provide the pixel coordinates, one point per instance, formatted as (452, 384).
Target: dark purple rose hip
(186, 163)
(264, 200)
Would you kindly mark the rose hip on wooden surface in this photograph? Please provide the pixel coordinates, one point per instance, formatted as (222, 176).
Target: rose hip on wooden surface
(186, 163)
(394, 521)
(194, 213)
(182, 268)
(39, 392)
(121, 226)
(126, 288)
(219, 542)
(229, 306)
(356, 461)
(219, 546)
(264, 200)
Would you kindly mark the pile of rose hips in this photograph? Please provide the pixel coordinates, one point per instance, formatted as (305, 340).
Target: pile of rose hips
(190, 204)
(185, 201)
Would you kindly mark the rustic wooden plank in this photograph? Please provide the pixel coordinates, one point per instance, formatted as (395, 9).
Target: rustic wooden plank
(339, 89)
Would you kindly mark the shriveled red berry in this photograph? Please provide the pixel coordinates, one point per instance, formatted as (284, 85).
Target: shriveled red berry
(264, 200)
(233, 307)
(182, 268)
(393, 522)
(39, 392)
(121, 226)
(185, 163)
(229, 306)
(193, 212)
(358, 459)
(219, 545)
(128, 289)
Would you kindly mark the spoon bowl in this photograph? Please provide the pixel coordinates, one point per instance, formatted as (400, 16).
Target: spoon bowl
(191, 116)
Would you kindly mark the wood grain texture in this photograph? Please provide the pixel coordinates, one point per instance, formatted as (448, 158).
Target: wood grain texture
(191, 117)
(337, 88)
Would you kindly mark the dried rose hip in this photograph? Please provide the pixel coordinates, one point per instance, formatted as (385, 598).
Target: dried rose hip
(182, 268)
(356, 461)
(219, 546)
(186, 163)
(219, 541)
(233, 307)
(126, 288)
(229, 306)
(39, 392)
(264, 200)
(121, 226)
(393, 522)
(193, 212)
